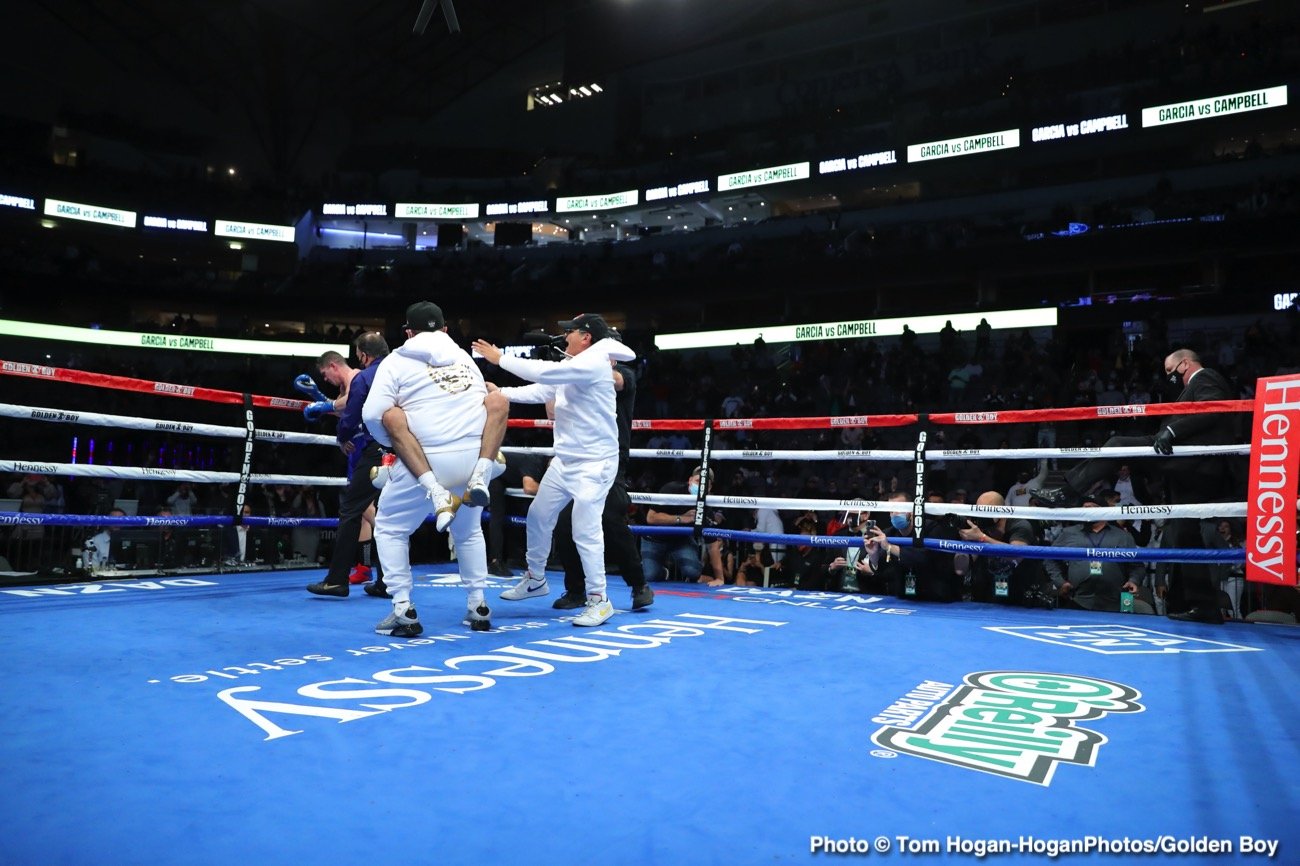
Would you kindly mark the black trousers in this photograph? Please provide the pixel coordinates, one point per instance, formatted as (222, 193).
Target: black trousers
(359, 495)
(620, 544)
(499, 515)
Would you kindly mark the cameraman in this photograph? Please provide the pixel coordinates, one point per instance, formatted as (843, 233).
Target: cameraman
(1004, 579)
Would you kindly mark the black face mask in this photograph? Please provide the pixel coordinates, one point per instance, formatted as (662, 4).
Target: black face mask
(1175, 380)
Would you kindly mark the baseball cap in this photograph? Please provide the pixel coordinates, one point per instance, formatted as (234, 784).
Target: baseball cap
(591, 323)
(424, 316)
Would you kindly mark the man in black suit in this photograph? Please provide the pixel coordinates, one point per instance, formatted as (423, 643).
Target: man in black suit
(1189, 480)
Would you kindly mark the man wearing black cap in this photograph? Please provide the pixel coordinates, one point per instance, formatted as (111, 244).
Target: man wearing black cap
(620, 544)
(581, 387)
(436, 395)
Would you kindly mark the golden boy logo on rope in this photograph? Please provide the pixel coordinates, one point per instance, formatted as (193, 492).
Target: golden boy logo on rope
(1018, 724)
(452, 378)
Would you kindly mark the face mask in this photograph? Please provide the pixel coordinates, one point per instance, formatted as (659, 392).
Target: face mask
(900, 522)
(1175, 379)
(694, 488)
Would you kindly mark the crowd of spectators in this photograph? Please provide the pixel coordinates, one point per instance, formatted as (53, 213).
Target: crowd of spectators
(979, 370)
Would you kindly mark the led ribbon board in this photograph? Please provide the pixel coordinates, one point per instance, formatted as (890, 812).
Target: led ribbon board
(254, 231)
(1036, 317)
(764, 176)
(90, 213)
(364, 210)
(1214, 106)
(605, 201)
(409, 210)
(18, 201)
(963, 145)
(694, 187)
(174, 224)
(853, 163)
(513, 208)
(183, 342)
(1091, 126)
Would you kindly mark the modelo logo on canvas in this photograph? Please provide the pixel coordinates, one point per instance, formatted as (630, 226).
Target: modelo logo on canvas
(1017, 724)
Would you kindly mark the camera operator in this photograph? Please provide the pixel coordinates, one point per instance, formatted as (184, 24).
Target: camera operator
(1005, 579)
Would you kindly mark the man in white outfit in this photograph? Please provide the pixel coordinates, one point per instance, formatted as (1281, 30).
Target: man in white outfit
(581, 387)
(441, 391)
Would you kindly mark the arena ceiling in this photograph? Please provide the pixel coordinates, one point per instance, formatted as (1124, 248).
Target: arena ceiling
(268, 79)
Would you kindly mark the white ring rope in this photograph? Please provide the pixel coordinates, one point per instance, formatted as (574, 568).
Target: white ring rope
(1114, 512)
(32, 467)
(1118, 512)
(33, 413)
(1075, 453)
(896, 454)
(756, 454)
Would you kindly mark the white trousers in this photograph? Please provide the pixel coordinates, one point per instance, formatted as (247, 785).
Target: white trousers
(587, 484)
(403, 507)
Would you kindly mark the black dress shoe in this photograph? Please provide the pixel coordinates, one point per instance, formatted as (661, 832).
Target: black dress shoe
(339, 590)
(569, 601)
(496, 567)
(377, 590)
(1209, 615)
(1064, 496)
(642, 597)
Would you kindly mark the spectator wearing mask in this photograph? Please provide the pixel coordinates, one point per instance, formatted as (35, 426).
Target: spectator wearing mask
(682, 550)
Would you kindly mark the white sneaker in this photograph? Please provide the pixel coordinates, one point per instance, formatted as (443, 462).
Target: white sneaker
(476, 491)
(445, 504)
(527, 587)
(597, 611)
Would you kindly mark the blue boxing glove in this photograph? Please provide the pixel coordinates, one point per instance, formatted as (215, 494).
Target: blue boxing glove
(307, 385)
(314, 411)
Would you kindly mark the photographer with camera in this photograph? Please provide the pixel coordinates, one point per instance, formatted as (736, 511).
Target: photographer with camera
(1004, 579)
(1094, 584)
(810, 567)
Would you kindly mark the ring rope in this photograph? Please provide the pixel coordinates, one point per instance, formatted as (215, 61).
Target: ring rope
(96, 419)
(823, 422)
(1133, 554)
(1018, 551)
(1112, 512)
(145, 386)
(696, 453)
(1113, 451)
(1009, 416)
(30, 467)
(1090, 413)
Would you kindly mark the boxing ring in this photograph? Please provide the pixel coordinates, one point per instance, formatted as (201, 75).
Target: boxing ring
(227, 716)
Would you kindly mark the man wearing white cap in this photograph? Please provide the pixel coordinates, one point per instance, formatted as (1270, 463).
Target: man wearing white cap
(581, 387)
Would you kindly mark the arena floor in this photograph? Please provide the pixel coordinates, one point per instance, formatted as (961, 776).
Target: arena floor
(234, 719)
